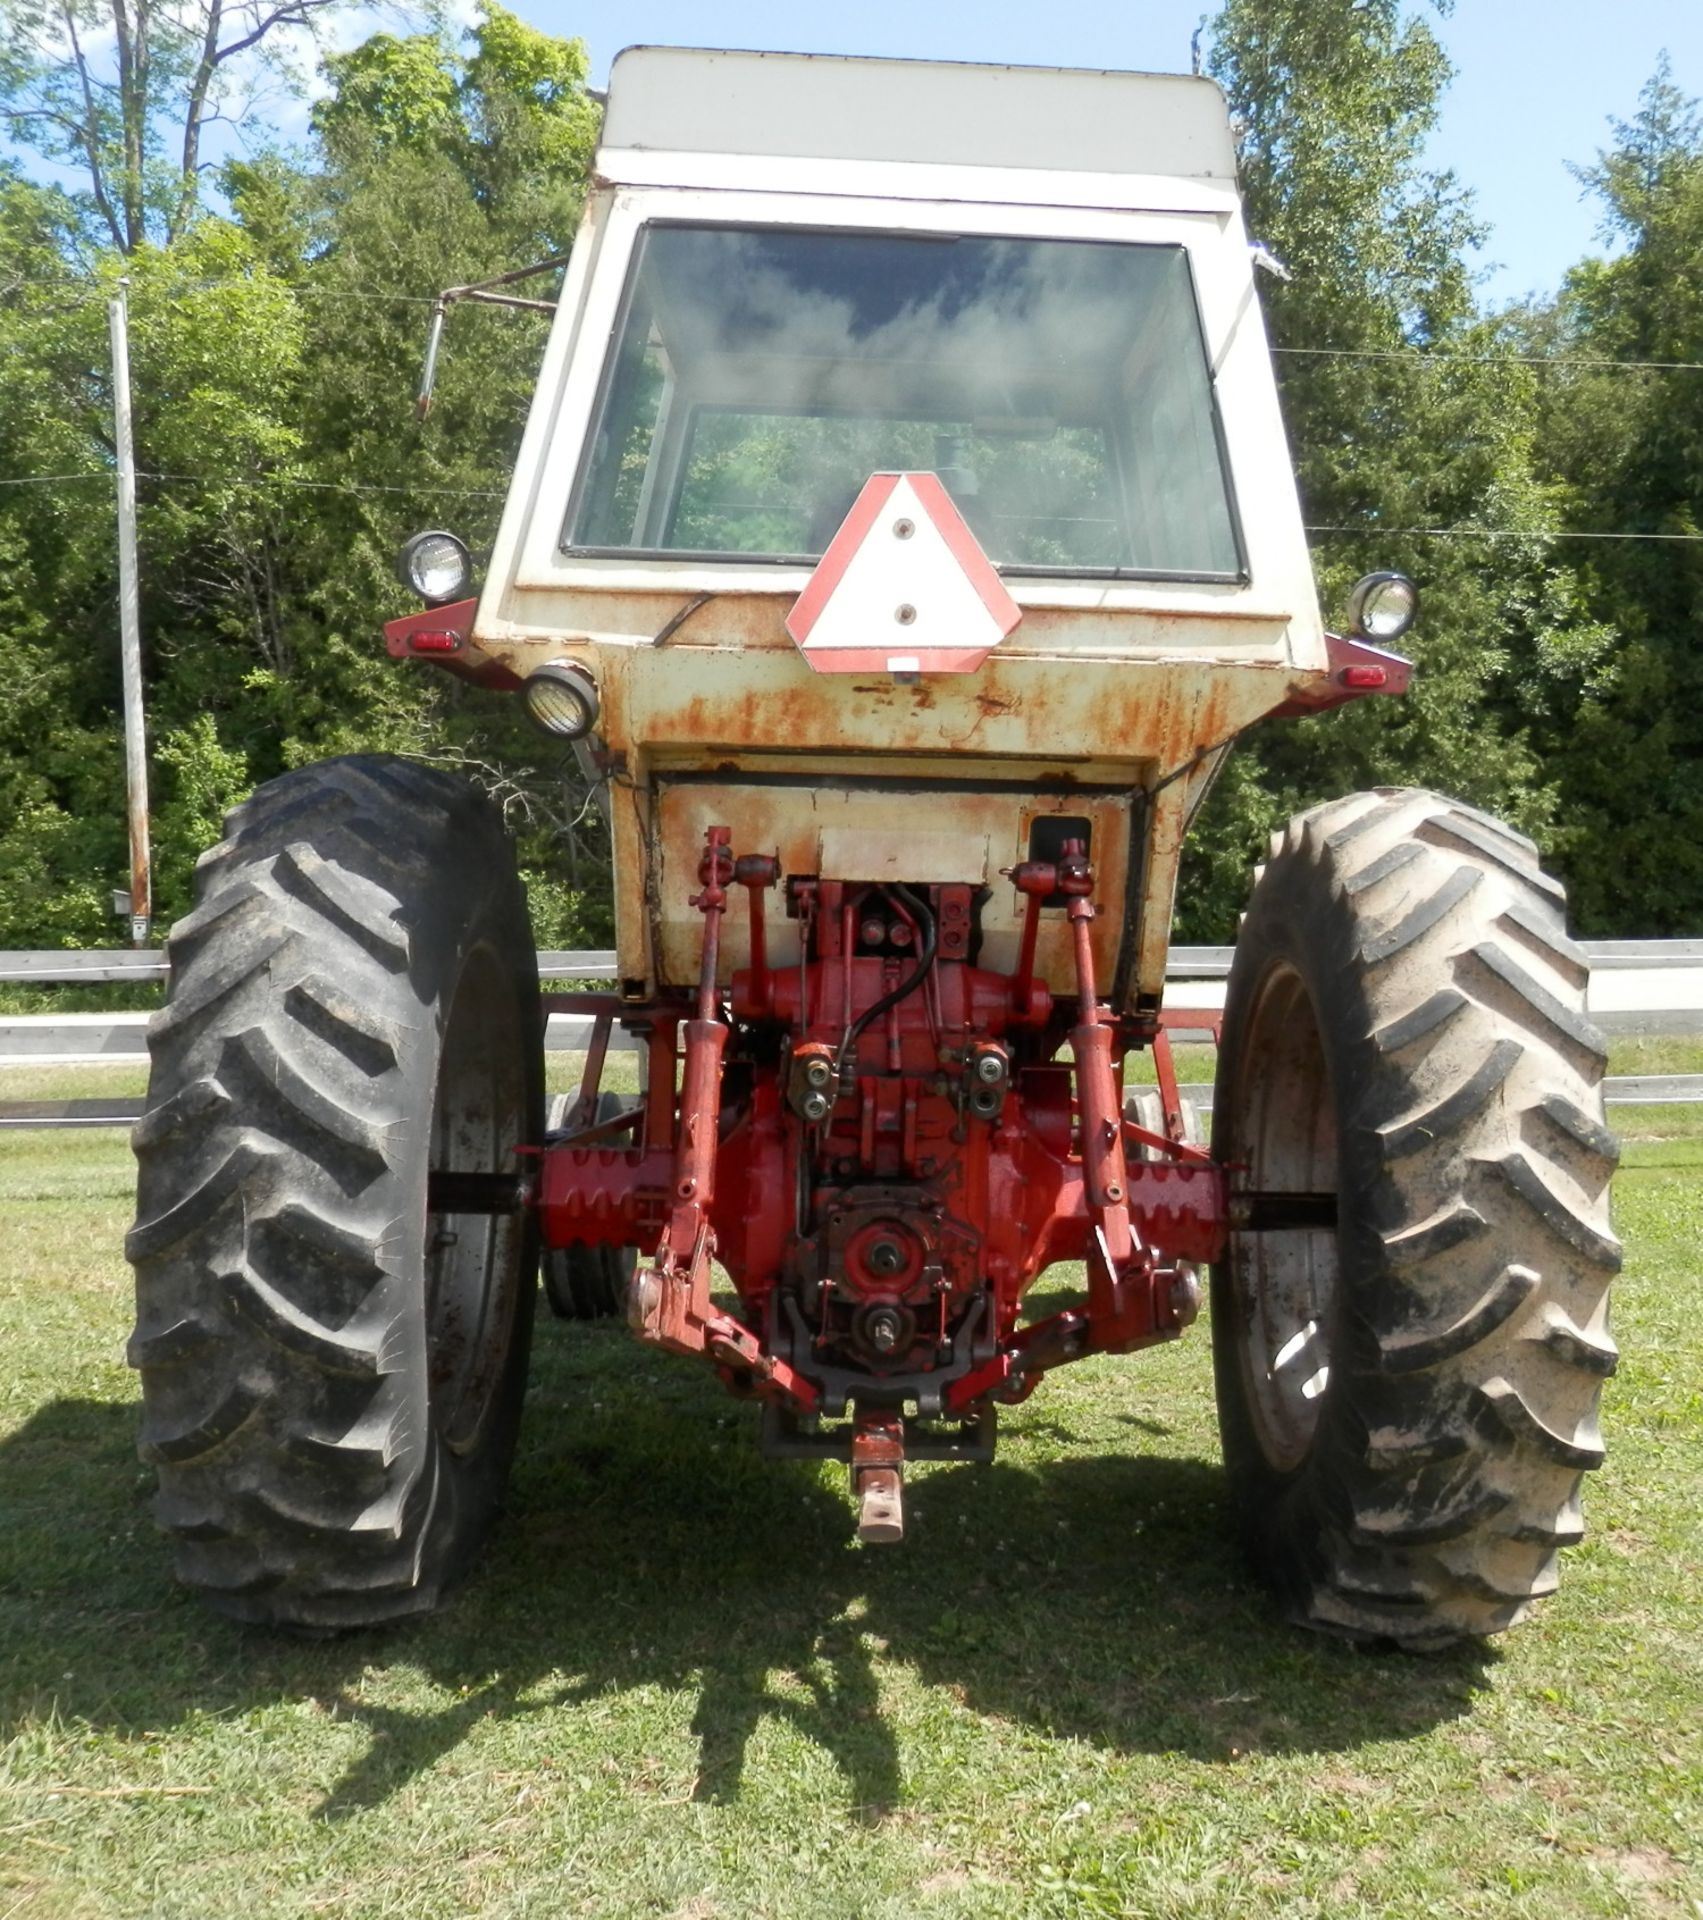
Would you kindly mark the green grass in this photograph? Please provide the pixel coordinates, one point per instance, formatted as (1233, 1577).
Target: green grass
(678, 1687)
(113, 996)
(1656, 1053)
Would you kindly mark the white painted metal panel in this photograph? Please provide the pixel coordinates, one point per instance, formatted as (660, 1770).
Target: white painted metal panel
(922, 112)
(1623, 997)
(894, 180)
(65, 1038)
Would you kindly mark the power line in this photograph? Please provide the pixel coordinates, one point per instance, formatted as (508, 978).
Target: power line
(309, 290)
(1500, 533)
(1441, 356)
(265, 479)
(49, 479)
(342, 486)
(1445, 355)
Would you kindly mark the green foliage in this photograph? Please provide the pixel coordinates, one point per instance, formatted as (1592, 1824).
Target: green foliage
(119, 96)
(204, 781)
(1336, 98)
(388, 94)
(274, 349)
(276, 342)
(1625, 448)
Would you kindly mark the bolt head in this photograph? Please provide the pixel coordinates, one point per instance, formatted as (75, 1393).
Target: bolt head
(883, 1330)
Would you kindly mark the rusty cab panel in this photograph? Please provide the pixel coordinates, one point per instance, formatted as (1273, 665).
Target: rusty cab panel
(782, 288)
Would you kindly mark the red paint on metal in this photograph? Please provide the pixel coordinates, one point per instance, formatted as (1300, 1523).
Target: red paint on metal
(1191, 1020)
(442, 636)
(1036, 880)
(456, 618)
(945, 1160)
(757, 873)
(1354, 669)
(1171, 1099)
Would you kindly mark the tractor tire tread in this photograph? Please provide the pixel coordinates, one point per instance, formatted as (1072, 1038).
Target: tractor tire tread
(281, 1398)
(1462, 1408)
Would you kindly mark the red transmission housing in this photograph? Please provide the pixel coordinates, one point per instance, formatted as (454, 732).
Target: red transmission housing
(899, 1155)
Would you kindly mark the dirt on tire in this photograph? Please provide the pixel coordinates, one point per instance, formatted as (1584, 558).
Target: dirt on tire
(331, 1376)
(1408, 1406)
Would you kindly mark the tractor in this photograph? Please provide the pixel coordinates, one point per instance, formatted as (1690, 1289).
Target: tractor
(902, 536)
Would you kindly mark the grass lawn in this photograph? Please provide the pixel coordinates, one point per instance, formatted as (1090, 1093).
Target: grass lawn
(678, 1687)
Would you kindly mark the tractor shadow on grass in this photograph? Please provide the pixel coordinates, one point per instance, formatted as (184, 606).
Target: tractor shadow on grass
(649, 1546)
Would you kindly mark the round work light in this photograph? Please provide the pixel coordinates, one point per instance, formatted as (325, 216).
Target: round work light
(437, 566)
(561, 700)
(1382, 607)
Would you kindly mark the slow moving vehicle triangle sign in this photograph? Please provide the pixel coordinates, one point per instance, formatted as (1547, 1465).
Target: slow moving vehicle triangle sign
(904, 588)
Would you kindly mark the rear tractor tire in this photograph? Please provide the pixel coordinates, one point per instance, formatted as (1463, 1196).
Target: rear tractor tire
(1408, 1403)
(332, 1373)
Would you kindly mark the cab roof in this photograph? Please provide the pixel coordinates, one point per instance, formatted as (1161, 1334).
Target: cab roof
(823, 107)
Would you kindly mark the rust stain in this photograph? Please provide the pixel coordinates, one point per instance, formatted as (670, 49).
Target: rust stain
(731, 696)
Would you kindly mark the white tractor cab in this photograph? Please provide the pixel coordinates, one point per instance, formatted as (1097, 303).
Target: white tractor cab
(902, 535)
(798, 272)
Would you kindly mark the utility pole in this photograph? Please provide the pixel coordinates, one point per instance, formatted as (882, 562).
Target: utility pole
(130, 627)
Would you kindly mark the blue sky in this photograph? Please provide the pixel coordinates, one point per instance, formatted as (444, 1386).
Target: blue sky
(1537, 81)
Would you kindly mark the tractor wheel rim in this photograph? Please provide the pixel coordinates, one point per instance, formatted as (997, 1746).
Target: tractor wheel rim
(1286, 1282)
(473, 1261)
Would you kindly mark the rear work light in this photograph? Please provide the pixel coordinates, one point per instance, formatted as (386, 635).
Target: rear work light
(437, 566)
(1382, 607)
(561, 700)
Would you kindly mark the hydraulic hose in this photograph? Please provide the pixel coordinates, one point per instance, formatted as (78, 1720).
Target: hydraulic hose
(894, 995)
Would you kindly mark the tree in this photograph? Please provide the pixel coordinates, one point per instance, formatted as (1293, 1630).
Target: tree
(1335, 99)
(277, 482)
(131, 121)
(442, 167)
(1624, 443)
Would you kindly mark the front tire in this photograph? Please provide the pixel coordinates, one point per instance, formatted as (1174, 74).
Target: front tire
(332, 1374)
(1408, 1403)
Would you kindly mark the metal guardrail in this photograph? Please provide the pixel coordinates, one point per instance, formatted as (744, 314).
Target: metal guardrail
(1631, 1090)
(1637, 986)
(90, 967)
